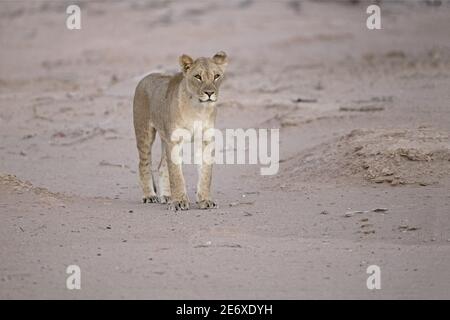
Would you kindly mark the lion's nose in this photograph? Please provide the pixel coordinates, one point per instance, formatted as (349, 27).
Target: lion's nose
(209, 93)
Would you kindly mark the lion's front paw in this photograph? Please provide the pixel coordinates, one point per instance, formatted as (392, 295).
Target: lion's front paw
(150, 199)
(164, 199)
(176, 205)
(207, 204)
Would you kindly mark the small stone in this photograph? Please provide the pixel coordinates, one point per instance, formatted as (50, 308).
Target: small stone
(395, 182)
(380, 210)
(349, 214)
(352, 213)
(378, 180)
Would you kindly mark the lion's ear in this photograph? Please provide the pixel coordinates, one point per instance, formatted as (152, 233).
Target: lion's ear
(186, 62)
(220, 58)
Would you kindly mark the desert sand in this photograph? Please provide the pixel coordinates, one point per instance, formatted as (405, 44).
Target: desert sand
(364, 176)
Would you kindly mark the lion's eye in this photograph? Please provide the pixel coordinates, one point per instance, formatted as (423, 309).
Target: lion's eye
(217, 76)
(198, 77)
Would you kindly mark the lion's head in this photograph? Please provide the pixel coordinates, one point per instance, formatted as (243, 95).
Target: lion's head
(204, 76)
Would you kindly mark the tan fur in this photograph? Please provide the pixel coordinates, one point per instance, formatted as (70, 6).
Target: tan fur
(165, 103)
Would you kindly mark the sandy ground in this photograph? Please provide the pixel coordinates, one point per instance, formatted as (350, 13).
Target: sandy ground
(375, 135)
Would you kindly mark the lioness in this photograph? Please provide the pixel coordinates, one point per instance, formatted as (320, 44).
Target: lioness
(164, 103)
